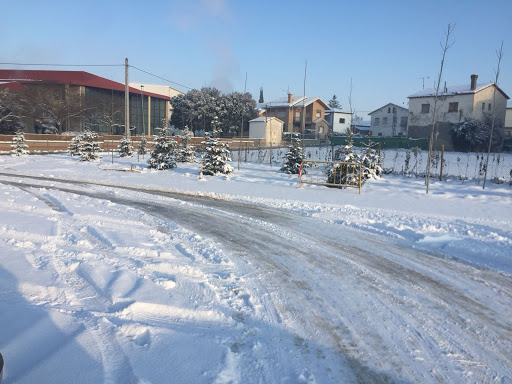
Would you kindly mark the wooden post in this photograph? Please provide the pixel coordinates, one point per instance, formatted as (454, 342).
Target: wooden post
(442, 159)
(47, 146)
(332, 151)
(112, 148)
(246, 150)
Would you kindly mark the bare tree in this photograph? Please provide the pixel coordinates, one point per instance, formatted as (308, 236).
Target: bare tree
(106, 110)
(11, 111)
(57, 103)
(499, 54)
(447, 44)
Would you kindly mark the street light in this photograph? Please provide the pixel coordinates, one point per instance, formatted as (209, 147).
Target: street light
(142, 110)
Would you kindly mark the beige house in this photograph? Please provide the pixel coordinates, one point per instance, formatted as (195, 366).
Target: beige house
(268, 130)
(455, 105)
(291, 113)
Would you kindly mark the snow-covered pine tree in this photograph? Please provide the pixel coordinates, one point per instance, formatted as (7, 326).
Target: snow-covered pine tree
(125, 147)
(142, 149)
(186, 154)
(164, 152)
(344, 174)
(370, 162)
(74, 147)
(19, 147)
(216, 154)
(89, 148)
(294, 157)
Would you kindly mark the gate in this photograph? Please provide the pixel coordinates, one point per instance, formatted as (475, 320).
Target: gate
(330, 174)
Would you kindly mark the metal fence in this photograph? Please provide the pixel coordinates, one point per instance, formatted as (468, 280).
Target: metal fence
(406, 162)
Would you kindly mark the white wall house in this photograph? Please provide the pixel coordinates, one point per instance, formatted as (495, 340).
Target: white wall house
(455, 105)
(389, 120)
(338, 120)
(268, 130)
(508, 120)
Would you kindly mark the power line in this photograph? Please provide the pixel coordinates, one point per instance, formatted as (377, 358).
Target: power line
(66, 65)
(159, 77)
(97, 65)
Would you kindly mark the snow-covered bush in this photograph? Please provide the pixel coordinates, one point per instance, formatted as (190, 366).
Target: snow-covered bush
(164, 153)
(89, 147)
(125, 147)
(19, 147)
(216, 154)
(186, 153)
(294, 157)
(474, 135)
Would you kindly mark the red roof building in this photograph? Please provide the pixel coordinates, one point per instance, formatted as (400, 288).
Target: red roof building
(147, 110)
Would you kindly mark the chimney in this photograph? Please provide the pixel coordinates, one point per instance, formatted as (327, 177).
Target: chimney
(473, 82)
(290, 97)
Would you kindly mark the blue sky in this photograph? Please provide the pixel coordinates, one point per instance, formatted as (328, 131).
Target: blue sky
(385, 47)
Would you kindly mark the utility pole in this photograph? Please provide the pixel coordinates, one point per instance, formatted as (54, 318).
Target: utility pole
(304, 108)
(242, 127)
(126, 100)
(142, 106)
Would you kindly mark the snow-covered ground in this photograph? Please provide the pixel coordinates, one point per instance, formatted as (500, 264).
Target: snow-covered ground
(249, 279)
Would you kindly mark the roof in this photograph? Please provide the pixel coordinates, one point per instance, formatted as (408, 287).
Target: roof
(265, 119)
(362, 124)
(455, 90)
(87, 79)
(385, 106)
(337, 110)
(283, 103)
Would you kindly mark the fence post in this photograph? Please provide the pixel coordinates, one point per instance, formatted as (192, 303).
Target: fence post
(332, 151)
(442, 158)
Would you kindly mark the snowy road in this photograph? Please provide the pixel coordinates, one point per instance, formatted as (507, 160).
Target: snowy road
(272, 295)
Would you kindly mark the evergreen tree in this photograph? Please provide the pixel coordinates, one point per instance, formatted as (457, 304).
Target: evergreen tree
(142, 148)
(344, 174)
(186, 154)
(294, 157)
(125, 147)
(216, 153)
(89, 147)
(19, 147)
(334, 103)
(370, 162)
(261, 100)
(75, 145)
(164, 152)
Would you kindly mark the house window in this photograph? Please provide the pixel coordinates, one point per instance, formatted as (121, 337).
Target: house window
(403, 121)
(425, 108)
(342, 120)
(400, 134)
(384, 120)
(453, 107)
(483, 106)
(380, 134)
(394, 110)
(376, 121)
(318, 114)
(282, 114)
(297, 115)
(489, 108)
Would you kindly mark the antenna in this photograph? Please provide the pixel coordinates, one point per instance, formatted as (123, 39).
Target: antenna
(423, 79)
